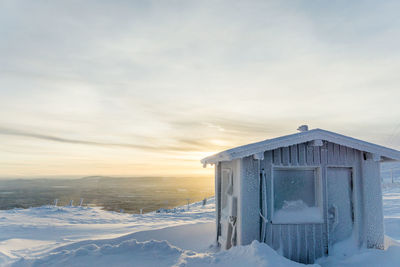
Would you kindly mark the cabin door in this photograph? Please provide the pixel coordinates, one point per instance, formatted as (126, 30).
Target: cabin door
(340, 206)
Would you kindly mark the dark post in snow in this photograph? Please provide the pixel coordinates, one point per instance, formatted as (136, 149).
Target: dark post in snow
(188, 201)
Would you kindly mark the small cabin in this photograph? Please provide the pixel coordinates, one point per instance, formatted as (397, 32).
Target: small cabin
(301, 193)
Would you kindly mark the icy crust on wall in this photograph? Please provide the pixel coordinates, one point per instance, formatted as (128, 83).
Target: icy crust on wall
(373, 209)
(249, 214)
(297, 212)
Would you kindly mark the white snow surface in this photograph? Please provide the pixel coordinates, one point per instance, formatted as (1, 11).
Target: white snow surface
(297, 212)
(87, 236)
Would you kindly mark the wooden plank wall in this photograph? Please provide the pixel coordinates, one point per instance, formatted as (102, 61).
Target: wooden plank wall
(303, 242)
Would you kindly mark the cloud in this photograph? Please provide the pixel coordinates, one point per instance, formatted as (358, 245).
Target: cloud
(14, 132)
(184, 76)
(184, 144)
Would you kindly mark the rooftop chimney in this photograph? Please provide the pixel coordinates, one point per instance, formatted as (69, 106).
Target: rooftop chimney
(303, 128)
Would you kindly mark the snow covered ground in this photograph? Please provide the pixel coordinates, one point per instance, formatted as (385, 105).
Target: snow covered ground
(87, 236)
(34, 232)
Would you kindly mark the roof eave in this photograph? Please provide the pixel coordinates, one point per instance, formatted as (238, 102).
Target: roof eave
(288, 140)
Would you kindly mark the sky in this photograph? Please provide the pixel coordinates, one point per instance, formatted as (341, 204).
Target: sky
(148, 88)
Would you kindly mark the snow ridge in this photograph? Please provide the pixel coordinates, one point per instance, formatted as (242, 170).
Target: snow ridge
(68, 237)
(127, 253)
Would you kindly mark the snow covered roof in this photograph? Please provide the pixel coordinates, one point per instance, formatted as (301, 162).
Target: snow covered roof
(387, 154)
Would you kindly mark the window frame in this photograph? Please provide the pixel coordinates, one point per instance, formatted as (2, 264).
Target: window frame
(318, 192)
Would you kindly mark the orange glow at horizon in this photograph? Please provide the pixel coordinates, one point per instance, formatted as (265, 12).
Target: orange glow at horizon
(136, 92)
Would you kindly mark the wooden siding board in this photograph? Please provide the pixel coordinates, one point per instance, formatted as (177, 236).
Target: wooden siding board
(294, 155)
(285, 240)
(350, 155)
(336, 154)
(317, 153)
(294, 242)
(302, 154)
(330, 153)
(311, 243)
(310, 155)
(285, 156)
(324, 240)
(276, 236)
(303, 242)
(268, 238)
(277, 156)
(324, 153)
(318, 241)
(342, 155)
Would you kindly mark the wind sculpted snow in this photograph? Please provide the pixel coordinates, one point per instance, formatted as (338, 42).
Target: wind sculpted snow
(35, 231)
(73, 236)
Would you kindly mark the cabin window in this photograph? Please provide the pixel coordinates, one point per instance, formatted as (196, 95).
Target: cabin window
(297, 196)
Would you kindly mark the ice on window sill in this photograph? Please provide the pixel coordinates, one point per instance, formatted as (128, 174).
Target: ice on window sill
(296, 212)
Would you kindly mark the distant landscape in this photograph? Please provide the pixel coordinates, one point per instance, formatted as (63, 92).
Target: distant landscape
(113, 194)
(121, 194)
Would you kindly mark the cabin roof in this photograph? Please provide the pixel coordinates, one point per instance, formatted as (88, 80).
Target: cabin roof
(386, 154)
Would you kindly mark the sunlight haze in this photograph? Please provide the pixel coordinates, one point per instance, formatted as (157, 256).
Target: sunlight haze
(149, 88)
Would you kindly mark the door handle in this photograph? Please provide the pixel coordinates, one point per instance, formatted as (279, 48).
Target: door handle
(334, 216)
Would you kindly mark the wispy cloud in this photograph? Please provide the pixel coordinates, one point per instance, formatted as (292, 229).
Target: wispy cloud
(149, 80)
(184, 144)
(7, 131)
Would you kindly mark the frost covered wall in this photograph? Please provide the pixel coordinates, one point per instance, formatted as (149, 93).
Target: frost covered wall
(374, 231)
(249, 199)
(304, 242)
(299, 242)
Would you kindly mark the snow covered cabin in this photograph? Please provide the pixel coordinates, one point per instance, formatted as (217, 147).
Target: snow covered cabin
(301, 193)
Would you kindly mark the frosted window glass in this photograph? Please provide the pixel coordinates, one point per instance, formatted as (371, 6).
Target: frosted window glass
(294, 186)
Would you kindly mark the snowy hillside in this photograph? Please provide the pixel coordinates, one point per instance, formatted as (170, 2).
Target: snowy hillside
(84, 236)
(34, 231)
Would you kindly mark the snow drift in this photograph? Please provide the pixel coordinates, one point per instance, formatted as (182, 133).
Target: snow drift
(73, 236)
